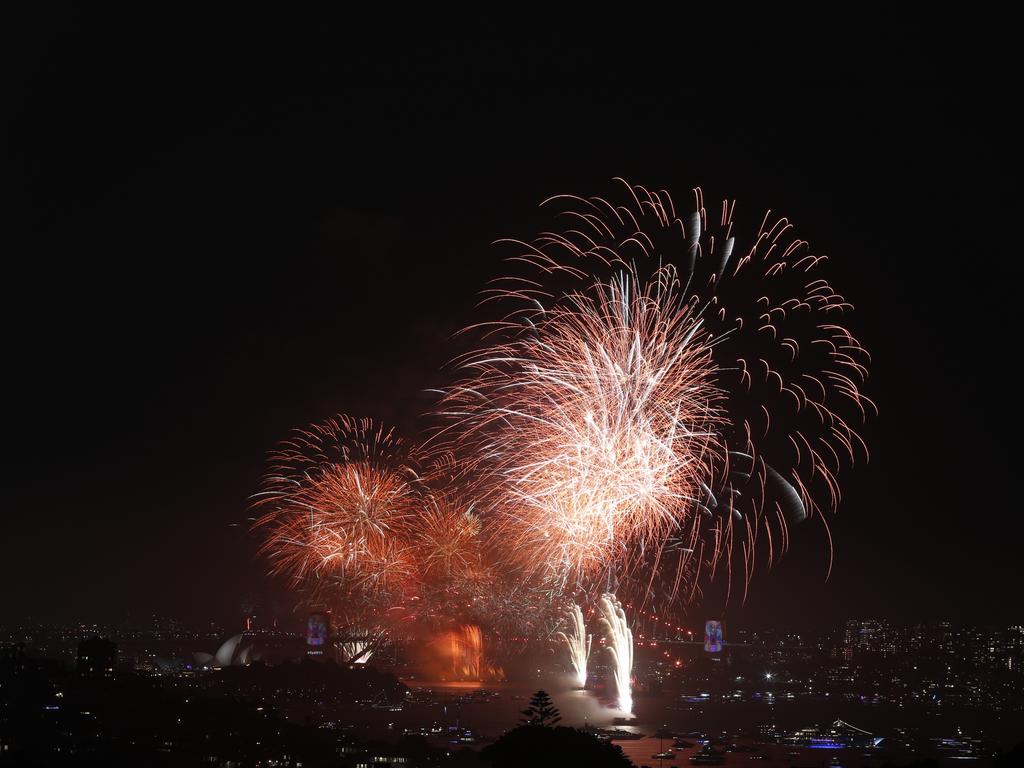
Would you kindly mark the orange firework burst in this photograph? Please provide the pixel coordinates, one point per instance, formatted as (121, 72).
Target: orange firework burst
(448, 539)
(348, 516)
(341, 505)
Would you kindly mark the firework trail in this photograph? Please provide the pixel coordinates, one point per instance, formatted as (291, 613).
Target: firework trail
(620, 646)
(662, 397)
(467, 652)
(578, 642)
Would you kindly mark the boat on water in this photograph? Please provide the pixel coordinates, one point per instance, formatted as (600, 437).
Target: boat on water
(839, 735)
(683, 744)
(741, 748)
(613, 734)
(708, 756)
(668, 754)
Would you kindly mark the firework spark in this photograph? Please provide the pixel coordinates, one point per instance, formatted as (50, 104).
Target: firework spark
(467, 648)
(620, 647)
(578, 642)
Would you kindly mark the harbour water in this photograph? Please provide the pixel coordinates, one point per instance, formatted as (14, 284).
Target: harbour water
(487, 710)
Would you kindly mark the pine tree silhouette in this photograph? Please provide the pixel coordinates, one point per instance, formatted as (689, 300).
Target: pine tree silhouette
(541, 711)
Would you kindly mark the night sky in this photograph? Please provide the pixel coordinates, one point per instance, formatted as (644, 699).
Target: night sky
(222, 229)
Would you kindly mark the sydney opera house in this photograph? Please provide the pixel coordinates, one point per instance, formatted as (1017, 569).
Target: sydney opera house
(232, 652)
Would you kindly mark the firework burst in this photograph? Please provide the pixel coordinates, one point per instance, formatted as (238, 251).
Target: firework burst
(600, 427)
(348, 517)
(448, 540)
(340, 504)
(662, 398)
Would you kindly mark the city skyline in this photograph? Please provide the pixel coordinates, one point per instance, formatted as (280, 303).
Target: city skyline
(895, 691)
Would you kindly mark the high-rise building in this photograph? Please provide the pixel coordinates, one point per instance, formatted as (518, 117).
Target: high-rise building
(946, 638)
(1015, 648)
(870, 636)
(986, 647)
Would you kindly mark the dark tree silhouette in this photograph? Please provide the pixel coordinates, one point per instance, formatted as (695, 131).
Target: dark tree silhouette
(539, 747)
(541, 711)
